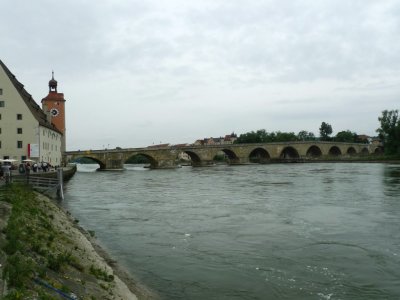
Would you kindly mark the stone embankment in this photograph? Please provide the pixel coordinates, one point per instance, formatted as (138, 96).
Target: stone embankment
(45, 254)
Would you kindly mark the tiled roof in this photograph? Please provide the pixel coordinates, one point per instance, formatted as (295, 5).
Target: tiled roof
(158, 146)
(35, 109)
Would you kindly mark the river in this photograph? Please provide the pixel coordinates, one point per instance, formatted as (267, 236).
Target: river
(278, 231)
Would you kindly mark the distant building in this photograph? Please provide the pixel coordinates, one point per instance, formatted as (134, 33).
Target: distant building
(376, 141)
(180, 145)
(26, 130)
(159, 146)
(228, 139)
(362, 138)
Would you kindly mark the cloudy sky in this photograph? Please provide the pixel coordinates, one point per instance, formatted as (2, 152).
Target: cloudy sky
(137, 73)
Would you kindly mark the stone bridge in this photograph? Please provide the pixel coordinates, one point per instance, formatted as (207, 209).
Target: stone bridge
(168, 156)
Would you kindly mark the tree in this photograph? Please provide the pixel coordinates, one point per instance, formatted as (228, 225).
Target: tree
(262, 136)
(251, 137)
(389, 131)
(305, 136)
(285, 136)
(346, 136)
(325, 131)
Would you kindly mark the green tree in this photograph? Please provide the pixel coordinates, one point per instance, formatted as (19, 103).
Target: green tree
(305, 136)
(262, 136)
(249, 137)
(346, 136)
(389, 131)
(325, 131)
(285, 136)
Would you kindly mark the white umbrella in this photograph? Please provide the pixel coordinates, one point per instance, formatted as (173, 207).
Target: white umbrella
(9, 160)
(28, 160)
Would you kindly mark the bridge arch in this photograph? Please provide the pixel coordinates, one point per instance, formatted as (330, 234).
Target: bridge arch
(102, 165)
(351, 151)
(335, 151)
(289, 153)
(259, 155)
(152, 160)
(232, 157)
(314, 151)
(196, 160)
(364, 151)
(378, 150)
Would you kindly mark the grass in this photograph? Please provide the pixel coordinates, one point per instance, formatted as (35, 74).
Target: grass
(36, 249)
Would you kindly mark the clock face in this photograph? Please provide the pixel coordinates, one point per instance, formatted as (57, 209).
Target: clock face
(54, 112)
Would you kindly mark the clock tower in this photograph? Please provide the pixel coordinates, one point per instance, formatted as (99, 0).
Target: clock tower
(54, 104)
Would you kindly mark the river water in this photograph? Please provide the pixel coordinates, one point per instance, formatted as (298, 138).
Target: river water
(280, 231)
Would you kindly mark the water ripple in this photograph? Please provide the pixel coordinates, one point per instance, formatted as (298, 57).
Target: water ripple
(298, 231)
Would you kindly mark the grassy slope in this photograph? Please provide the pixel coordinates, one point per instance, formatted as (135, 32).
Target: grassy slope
(36, 244)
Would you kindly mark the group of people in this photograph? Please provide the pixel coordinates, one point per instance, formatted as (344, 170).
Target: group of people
(26, 167)
(35, 167)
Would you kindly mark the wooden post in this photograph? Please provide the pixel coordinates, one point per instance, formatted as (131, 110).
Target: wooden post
(60, 192)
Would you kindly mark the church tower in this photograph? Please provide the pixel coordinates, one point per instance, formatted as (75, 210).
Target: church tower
(54, 105)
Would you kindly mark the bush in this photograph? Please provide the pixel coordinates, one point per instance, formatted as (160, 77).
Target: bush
(101, 274)
(16, 295)
(18, 270)
(55, 263)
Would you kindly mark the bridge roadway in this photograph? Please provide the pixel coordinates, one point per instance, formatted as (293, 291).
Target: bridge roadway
(168, 156)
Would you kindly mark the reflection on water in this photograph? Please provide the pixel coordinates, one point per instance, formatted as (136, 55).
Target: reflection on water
(391, 180)
(289, 231)
(87, 168)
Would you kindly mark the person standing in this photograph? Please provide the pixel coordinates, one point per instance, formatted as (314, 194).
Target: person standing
(27, 171)
(6, 168)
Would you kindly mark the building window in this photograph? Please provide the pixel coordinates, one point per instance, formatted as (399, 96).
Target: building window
(2, 103)
(0, 144)
(0, 130)
(19, 130)
(0, 116)
(19, 116)
(1, 91)
(19, 144)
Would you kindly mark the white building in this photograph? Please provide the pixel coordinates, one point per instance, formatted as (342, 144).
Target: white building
(26, 130)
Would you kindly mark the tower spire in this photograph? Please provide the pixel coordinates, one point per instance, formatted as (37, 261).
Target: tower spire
(52, 83)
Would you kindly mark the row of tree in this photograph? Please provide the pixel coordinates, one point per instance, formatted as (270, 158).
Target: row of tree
(389, 133)
(262, 136)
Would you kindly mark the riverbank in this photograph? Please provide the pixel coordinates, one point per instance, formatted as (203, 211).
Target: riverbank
(45, 253)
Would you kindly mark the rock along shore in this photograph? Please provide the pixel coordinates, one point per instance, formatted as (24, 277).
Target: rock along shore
(86, 270)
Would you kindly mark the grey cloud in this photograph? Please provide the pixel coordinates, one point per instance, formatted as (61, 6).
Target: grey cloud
(243, 65)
